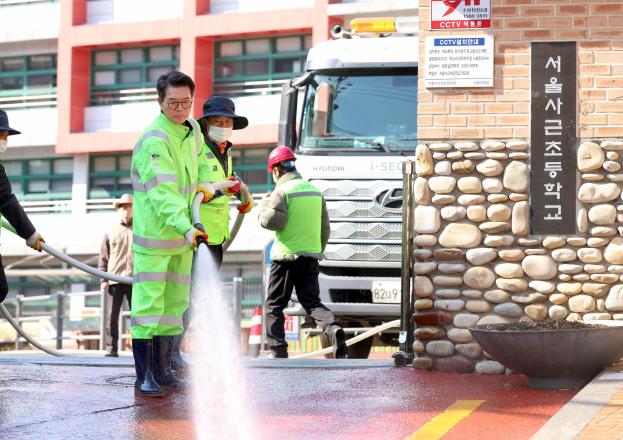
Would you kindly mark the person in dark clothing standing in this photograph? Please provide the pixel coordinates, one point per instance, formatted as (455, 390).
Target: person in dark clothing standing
(116, 257)
(10, 207)
(297, 212)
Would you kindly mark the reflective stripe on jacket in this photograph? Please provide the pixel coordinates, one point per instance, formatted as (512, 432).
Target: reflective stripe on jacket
(166, 167)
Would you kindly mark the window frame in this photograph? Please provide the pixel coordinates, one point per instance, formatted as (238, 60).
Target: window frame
(116, 193)
(26, 72)
(25, 177)
(238, 159)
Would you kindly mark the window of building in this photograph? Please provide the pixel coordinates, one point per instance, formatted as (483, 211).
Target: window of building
(109, 176)
(258, 65)
(250, 164)
(41, 179)
(29, 79)
(129, 74)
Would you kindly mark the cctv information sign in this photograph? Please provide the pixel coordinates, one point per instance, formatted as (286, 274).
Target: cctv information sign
(460, 14)
(465, 61)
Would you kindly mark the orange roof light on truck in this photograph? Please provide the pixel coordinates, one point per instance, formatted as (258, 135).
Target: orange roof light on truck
(402, 25)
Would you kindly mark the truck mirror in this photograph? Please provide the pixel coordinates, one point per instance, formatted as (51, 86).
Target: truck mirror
(287, 117)
(321, 109)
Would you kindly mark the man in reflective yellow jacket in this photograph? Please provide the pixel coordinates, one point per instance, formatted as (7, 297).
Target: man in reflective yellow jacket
(167, 171)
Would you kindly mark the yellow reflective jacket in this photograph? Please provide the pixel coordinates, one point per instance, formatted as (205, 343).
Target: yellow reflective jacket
(167, 165)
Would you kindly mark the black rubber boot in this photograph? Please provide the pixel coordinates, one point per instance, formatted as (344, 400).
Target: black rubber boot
(145, 383)
(113, 352)
(163, 347)
(177, 362)
(338, 340)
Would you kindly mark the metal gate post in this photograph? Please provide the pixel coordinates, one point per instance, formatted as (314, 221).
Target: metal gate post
(18, 316)
(104, 315)
(237, 306)
(405, 356)
(60, 311)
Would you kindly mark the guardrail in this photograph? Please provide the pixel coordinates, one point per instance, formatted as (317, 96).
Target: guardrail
(122, 96)
(248, 88)
(28, 101)
(60, 316)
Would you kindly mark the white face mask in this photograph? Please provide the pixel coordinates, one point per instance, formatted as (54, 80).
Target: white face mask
(220, 134)
(3, 145)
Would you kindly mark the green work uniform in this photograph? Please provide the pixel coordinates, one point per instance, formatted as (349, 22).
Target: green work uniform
(167, 165)
(302, 232)
(215, 213)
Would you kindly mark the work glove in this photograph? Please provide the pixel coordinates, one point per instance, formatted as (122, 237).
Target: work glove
(235, 187)
(207, 189)
(245, 208)
(196, 234)
(35, 241)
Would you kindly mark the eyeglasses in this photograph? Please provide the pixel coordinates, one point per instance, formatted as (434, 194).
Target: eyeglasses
(174, 105)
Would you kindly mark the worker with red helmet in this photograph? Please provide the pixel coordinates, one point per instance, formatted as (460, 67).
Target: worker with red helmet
(297, 212)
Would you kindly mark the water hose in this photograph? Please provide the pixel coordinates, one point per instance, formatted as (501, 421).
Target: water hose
(351, 341)
(24, 335)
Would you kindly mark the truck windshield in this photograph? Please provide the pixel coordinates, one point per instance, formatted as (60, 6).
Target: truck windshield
(376, 110)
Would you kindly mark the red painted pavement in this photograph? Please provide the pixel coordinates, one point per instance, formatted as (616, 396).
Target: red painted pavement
(374, 403)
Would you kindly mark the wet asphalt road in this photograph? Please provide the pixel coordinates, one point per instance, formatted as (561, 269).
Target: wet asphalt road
(83, 402)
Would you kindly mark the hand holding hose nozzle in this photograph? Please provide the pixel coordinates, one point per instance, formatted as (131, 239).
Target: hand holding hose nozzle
(35, 241)
(196, 236)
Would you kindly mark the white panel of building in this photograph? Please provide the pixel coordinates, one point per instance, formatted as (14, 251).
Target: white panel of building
(221, 6)
(121, 11)
(39, 126)
(120, 117)
(30, 21)
(259, 110)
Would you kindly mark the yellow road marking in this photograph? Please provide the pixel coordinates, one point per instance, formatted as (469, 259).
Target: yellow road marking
(439, 425)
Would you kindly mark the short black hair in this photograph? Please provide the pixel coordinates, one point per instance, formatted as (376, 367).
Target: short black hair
(285, 167)
(174, 78)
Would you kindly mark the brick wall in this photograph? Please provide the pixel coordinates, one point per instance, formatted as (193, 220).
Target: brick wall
(504, 111)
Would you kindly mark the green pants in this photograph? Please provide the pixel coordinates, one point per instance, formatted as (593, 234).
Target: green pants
(160, 294)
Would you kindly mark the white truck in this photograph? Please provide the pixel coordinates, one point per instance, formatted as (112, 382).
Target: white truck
(353, 127)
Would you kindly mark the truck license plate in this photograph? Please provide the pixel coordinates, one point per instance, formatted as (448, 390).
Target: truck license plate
(387, 292)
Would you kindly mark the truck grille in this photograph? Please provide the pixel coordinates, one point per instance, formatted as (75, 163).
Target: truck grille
(351, 188)
(362, 252)
(366, 231)
(358, 209)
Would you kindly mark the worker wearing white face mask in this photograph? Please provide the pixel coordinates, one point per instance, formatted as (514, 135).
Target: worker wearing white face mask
(10, 207)
(217, 123)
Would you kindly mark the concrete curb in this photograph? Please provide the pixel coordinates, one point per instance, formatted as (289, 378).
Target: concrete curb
(572, 418)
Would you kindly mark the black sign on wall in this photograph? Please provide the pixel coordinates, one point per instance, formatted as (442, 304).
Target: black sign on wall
(553, 137)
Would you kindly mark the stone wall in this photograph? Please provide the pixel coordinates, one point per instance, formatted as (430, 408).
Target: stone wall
(477, 260)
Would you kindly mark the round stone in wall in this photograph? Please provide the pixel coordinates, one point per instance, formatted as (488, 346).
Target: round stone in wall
(563, 255)
(439, 156)
(540, 267)
(538, 312)
(481, 255)
(516, 176)
(423, 161)
(582, 303)
(494, 319)
(477, 306)
(590, 255)
(614, 251)
(466, 146)
(517, 145)
(497, 296)
(471, 350)
(598, 192)
(442, 184)
(460, 235)
(451, 268)
(454, 155)
(582, 220)
(453, 213)
(476, 213)
(543, 286)
(492, 185)
(479, 277)
(520, 224)
(440, 348)
(528, 298)
(611, 166)
(569, 289)
(423, 286)
(558, 313)
(497, 198)
(553, 242)
(576, 241)
(460, 335)
(498, 240)
(424, 268)
(511, 255)
(440, 146)
(509, 270)
(425, 240)
(421, 192)
(590, 157)
(492, 146)
(465, 320)
(490, 168)
(614, 301)
(612, 145)
(512, 284)
(558, 298)
(471, 199)
(451, 305)
(426, 219)
(463, 167)
(494, 227)
(423, 304)
(472, 293)
(595, 289)
(602, 214)
(443, 168)
(498, 213)
(509, 310)
(443, 199)
(470, 185)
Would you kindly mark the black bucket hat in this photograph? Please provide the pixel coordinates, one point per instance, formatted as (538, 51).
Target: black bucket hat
(221, 106)
(4, 124)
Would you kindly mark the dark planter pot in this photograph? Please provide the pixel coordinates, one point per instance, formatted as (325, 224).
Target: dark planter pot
(554, 358)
